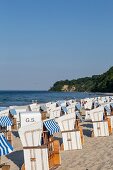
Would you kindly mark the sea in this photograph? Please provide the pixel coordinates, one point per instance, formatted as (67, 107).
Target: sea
(11, 98)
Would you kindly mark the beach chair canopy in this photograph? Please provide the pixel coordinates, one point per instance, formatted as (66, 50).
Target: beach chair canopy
(13, 112)
(5, 147)
(5, 121)
(51, 126)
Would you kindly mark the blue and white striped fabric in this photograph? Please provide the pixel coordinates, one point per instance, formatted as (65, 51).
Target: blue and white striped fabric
(5, 147)
(52, 126)
(5, 121)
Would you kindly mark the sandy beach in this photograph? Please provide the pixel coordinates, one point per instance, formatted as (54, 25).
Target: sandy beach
(97, 153)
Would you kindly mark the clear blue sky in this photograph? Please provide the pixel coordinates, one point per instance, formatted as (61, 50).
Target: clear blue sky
(49, 40)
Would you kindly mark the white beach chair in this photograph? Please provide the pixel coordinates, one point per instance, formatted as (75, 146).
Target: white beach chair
(93, 114)
(101, 124)
(100, 128)
(55, 113)
(35, 107)
(71, 137)
(35, 155)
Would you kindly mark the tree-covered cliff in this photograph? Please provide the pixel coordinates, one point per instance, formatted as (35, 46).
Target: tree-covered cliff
(96, 83)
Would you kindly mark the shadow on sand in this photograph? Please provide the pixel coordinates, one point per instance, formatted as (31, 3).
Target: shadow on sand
(88, 125)
(16, 134)
(87, 132)
(17, 157)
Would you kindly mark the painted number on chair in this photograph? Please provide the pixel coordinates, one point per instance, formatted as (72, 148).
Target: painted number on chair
(30, 120)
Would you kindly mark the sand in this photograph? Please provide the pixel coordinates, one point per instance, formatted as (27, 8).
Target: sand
(97, 154)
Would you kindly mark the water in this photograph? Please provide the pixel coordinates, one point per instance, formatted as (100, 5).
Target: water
(8, 98)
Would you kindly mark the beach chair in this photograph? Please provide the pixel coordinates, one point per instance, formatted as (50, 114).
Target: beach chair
(101, 124)
(34, 107)
(35, 154)
(55, 113)
(91, 114)
(71, 132)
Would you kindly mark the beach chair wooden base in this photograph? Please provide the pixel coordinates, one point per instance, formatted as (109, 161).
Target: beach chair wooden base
(72, 140)
(5, 167)
(14, 126)
(44, 115)
(101, 128)
(8, 136)
(23, 167)
(111, 120)
(109, 125)
(53, 154)
(81, 134)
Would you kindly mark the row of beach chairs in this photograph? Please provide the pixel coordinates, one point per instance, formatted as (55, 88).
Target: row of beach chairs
(38, 124)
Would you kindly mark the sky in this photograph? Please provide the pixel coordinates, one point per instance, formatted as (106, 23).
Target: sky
(43, 41)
